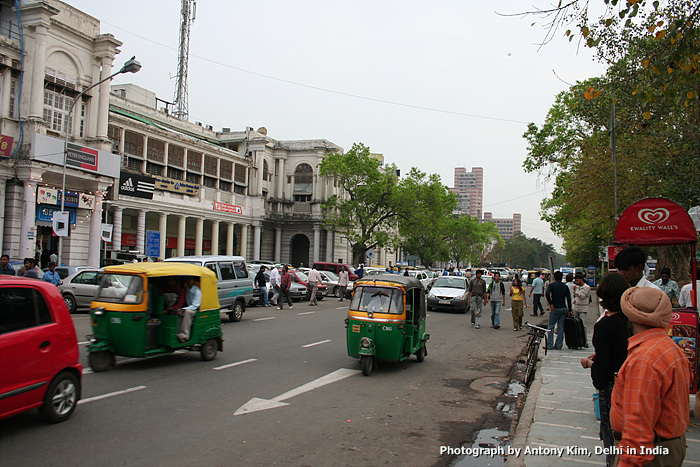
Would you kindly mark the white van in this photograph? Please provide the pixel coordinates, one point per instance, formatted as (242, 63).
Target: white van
(234, 284)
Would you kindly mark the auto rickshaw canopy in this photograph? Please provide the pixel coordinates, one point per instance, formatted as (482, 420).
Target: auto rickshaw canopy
(205, 277)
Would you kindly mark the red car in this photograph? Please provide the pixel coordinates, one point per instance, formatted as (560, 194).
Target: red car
(301, 278)
(38, 351)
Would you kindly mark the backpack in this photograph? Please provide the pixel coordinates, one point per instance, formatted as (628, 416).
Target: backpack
(503, 288)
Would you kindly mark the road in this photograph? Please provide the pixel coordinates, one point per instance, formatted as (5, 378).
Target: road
(318, 409)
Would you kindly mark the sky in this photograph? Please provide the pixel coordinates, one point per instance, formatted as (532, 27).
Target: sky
(431, 84)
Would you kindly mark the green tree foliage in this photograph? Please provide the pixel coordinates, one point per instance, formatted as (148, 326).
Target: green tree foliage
(425, 208)
(522, 251)
(365, 210)
(469, 242)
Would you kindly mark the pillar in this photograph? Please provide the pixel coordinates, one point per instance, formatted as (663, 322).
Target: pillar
(163, 229)
(278, 244)
(27, 241)
(95, 240)
(256, 242)
(103, 103)
(141, 231)
(330, 243)
(229, 238)
(244, 240)
(280, 179)
(198, 236)
(5, 93)
(117, 227)
(317, 243)
(214, 237)
(36, 104)
(181, 236)
(3, 185)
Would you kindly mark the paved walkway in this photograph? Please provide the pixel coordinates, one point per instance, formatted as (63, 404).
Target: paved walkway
(558, 416)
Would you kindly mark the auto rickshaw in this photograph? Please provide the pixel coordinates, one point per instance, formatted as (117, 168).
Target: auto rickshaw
(131, 316)
(386, 320)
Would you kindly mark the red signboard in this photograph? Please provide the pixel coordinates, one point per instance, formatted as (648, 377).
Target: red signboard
(227, 208)
(655, 221)
(684, 331)
(6, 145)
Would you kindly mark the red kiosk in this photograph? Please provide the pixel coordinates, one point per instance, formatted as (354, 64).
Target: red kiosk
(657, 222)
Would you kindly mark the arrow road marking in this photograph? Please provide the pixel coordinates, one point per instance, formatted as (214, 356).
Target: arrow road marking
(257, 404)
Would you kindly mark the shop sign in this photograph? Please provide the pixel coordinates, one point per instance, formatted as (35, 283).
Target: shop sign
(6, 145)
(223, 207)
(54, 150)
(177, 186)
(44, 213)
(139, 186)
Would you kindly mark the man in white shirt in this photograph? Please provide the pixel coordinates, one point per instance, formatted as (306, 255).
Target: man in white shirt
(275, 281)
(314, 282)
(684, 300)
(630, 264)
(193, 298)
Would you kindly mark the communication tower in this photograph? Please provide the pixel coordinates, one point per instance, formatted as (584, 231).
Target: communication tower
(188, 13)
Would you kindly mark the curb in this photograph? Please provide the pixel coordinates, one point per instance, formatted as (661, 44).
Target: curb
(522, 429)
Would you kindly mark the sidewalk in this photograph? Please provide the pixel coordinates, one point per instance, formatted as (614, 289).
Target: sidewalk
(559, 415)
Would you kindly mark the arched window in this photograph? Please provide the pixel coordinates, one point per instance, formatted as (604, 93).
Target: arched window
(303, 182)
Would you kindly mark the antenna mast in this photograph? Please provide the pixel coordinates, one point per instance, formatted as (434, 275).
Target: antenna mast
(181, 107)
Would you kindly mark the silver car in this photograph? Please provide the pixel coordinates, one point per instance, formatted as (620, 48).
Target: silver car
(80, 289)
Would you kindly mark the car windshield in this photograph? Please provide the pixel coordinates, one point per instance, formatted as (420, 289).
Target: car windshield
(331, 276)
(121, 288)
(450, 282)
(301, 276)
(377, 300)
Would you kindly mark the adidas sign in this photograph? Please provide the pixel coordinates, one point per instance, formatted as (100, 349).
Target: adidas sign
(128, 185)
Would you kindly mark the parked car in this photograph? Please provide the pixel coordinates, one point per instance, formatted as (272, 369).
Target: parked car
(301, 278)
(39, 348)
(65, 271)
(330, 279)
(80, 289)
(336, 268)
(425, 277)
(449, 293)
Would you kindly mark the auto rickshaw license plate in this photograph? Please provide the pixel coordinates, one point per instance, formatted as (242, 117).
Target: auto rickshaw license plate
(355, 328)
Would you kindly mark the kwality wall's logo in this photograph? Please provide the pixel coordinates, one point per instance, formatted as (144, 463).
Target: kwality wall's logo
(653, 216)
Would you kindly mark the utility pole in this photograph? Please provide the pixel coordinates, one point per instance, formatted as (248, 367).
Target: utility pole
(181, 107)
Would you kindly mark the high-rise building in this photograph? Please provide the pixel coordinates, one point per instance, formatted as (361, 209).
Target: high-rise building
(469, 188)
(506, 227)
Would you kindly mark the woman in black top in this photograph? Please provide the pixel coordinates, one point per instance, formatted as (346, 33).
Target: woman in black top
(610, 335)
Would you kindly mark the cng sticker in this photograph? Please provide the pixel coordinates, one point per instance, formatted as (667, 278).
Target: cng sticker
(387, 328)
(116, 321)
(355, 328)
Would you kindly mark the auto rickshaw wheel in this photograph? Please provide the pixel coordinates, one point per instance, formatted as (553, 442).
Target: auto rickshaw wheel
(367, 363)
(100, 361)
(236, 313)
(422, 352)
(208, 350)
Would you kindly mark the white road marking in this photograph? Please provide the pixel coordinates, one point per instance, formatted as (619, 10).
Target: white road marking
(111, 394)
(306, 313)
(559, 426)
(316, 343)
(257, 404)
(223, 367)
(81, 343)
(341, 308)
(265, 319)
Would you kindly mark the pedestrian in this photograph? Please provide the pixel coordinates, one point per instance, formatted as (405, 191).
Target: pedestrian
(670, 287)
(360, 271)
(51, 275)
(343, 279)
(496, 293)
(651, 399)
(53, 257)
(6, 268)
(468, 273)
(261, 283)
(684, 298)
(477, 290)
(538, 290)
(610, 336)
(193, 300)
(405, 273)
(314, 282)
(630, 262)
(570, 283)
(275, 282)
(29, 270)
(559, 299)
(517, 302)
(581, 299)
(285, 284)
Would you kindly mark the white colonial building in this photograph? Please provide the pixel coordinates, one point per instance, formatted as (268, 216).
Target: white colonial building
(166, 187)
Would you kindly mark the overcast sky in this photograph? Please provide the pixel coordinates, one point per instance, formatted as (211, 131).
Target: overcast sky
(432, 84)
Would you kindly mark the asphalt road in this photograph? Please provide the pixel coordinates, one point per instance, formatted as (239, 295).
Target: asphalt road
(318, 409)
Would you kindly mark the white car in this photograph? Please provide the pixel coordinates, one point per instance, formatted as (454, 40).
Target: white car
(449, 293)
(331, 280)
(425, 277)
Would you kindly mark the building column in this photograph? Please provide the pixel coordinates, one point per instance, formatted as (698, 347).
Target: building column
(317, 243)
(103, 103)
(280, 179)
(95, 240)
(330, 243)
(198, 236)
(117, 216)
(278, 244)
(5, 93)
(27, 240)
(229, 238)
(3, 186)
(181, 235)
(256, 241)
(36, 105)
(244, 240)
(141, 231)
(214, 238)
(163, 229)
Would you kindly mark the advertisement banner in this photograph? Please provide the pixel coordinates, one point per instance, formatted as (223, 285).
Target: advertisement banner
(52, 150)
(47, 196)
(684, 332)
(44, 213)
(139, 186)
(177, 186)
(223, 207)
(86, 201)
(107, 230)
(152, 243)
(60, 223)
(6, 145)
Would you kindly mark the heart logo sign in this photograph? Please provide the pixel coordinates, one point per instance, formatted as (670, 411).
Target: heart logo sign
(653, 216)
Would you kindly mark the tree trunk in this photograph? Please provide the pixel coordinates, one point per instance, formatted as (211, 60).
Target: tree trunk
(677, 259)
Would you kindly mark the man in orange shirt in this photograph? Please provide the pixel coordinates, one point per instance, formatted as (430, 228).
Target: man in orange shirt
(650, 401)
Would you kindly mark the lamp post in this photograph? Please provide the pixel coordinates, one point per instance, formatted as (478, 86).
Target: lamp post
(131, 66)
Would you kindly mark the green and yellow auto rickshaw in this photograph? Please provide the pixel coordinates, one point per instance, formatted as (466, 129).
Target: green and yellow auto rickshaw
(386, 320)
(135, 313)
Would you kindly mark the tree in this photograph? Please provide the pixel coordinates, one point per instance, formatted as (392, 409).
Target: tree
(364, 212)
(425, 208)
(470, 241)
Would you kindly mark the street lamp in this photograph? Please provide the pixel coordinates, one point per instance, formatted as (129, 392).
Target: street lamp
(131, 66)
